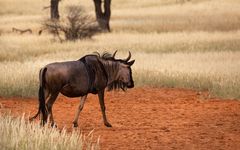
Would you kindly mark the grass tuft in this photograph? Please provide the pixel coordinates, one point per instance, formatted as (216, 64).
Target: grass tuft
(16, 133)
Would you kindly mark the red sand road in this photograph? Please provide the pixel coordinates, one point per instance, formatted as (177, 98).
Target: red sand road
(149, 118)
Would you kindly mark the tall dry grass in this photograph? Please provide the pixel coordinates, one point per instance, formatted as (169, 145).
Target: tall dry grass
(26, 47)
(18, 134)
(214, 15)
(215, 72)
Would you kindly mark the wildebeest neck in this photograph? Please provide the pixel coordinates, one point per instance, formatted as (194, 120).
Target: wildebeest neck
(91, 74)
(111, 68)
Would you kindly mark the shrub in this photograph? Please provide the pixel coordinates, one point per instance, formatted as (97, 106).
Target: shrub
(76, 25)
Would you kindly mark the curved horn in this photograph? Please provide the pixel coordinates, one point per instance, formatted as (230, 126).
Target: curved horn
(114, 54)
(129, 57)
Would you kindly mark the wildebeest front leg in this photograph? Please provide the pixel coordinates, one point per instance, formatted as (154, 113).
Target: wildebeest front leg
(101, 101)
(79, 109)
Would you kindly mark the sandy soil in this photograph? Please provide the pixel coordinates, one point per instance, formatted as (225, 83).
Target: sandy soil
(149, 118)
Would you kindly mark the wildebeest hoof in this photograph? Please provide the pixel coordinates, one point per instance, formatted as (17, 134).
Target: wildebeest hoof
(53, 125)
(75, 125)
(108, 124)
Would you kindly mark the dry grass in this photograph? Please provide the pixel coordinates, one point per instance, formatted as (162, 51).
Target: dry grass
(192, 45)
(213, 71)
(22, 48)
(202, 16)
(217, 72)
(18, 134)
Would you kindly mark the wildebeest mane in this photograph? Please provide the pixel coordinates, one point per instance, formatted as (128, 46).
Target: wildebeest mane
(104, 55)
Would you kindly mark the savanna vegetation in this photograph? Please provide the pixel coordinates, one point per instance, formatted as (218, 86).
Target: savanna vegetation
(176, 43)
(16, 133)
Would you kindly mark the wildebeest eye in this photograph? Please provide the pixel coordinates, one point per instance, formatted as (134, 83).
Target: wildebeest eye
(131, 63)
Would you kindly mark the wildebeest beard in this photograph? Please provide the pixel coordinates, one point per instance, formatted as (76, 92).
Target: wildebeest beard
(116, 85)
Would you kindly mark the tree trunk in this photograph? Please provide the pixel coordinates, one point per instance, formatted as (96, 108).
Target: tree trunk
(103, 16)
(54, 9)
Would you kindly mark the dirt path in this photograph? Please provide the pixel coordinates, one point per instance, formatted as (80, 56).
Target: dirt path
(150, 118)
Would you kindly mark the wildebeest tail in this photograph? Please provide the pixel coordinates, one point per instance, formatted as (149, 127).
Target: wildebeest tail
(41, 97)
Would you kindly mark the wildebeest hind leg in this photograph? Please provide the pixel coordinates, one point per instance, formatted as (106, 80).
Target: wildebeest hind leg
(49, 105)
(79, 109)
(101, 101)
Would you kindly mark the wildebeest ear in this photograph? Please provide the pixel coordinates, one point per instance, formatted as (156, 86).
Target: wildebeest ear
(130, 63)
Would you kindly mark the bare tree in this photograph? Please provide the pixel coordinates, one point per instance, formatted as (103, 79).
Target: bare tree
(102, 11)
(54, 9)
(103, 16)
(77, 25)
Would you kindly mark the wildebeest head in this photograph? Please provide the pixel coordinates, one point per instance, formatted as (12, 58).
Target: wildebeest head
(121, 74)
(125, 72)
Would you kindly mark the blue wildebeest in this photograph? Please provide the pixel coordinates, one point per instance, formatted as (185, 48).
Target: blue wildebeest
(90, 74)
